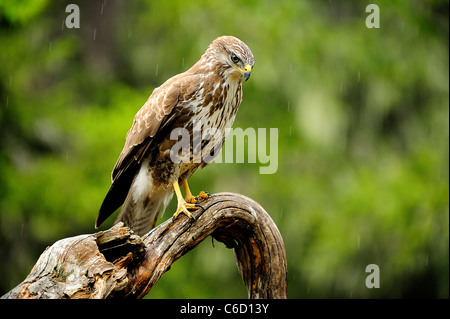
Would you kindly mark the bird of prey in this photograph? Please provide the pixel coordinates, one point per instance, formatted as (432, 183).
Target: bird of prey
(145, 177)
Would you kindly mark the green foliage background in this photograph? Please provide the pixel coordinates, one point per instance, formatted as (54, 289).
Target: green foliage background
(362, 113)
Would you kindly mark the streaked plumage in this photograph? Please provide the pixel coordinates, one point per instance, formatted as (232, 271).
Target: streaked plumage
(144, 175)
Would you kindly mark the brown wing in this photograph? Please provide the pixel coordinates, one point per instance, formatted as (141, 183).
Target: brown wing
(158, 111)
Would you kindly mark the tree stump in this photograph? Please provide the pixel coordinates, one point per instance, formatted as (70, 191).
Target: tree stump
(119, 264)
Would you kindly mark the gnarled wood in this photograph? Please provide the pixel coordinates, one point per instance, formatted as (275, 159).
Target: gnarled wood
(116, 263)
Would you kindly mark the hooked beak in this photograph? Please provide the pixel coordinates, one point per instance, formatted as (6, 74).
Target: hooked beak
(246, 72)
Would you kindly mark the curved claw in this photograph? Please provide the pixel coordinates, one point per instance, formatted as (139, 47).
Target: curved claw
(183, 208)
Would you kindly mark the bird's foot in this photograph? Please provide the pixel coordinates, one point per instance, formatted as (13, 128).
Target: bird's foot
(203, 195)
(191, 199)
(195, 199)
(183, 207)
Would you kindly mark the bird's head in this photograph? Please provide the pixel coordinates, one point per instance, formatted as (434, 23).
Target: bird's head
(231, 56)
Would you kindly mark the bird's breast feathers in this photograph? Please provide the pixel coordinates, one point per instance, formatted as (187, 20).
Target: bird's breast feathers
(215, 107)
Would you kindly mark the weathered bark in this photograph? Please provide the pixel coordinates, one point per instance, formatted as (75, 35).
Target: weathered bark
(116, 263)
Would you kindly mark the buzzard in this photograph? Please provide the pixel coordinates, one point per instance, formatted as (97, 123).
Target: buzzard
(145, 176)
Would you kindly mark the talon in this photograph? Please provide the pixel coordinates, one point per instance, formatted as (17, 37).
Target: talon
(183, 208)
(191, 199)
(183, 205)
(203, 195)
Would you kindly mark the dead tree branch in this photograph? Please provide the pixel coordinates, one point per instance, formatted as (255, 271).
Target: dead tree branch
(118, 264)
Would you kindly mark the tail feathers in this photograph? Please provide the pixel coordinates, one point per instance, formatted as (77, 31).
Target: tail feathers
(114, 198)
(141, 214)
(117, 194)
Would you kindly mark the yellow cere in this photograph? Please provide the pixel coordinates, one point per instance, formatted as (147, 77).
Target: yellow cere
(247, 68)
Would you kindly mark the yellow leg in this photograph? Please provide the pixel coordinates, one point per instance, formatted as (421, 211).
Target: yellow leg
(182, 206)
(189, 197)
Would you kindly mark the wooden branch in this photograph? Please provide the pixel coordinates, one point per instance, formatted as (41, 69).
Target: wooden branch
(116, 263)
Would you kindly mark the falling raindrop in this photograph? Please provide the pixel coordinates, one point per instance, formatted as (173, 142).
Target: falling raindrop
(7, 100)
(95, 33)
(101, 11)
(156, 72)
(50, 46)
(358, 240)
(289, 105)
(359, 75)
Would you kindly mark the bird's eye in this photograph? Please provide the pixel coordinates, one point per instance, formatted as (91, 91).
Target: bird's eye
(235, 58)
